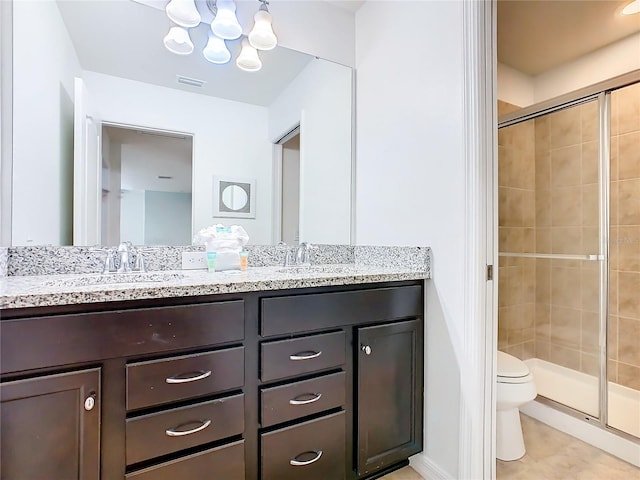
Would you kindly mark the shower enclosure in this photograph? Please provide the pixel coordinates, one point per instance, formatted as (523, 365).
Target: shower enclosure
(569, 249)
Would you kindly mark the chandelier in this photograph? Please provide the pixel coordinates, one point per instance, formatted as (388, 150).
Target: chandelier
(224, 27)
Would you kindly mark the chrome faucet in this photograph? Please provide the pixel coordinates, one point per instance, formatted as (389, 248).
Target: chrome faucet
(123, 259)
(298, 256)
(302, 254)
(124, 250)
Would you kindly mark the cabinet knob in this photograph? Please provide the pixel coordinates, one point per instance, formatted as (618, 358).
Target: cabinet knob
(90, 402)
(366, 349)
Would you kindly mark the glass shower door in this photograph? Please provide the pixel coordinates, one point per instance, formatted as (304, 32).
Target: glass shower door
(623, 352)
(551, 264)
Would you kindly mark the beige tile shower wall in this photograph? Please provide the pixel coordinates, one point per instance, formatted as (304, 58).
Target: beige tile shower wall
(566, 214)
(516, 220)
(624, 245)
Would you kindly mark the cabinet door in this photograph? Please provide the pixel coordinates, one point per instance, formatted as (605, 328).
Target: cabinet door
(50, 427)
(389, 396)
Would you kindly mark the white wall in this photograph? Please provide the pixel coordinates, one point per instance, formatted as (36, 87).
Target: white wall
(132, 216)
(317, 100)
(147, 157)
(523, 90)
(42, 126)
(290, 232)
(515, 87)
(110, 213)
(230, 139)
(167, 218)
(310, 26)
(608, 62)
(410, 145)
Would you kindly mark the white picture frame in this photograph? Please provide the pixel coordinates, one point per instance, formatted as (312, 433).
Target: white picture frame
(234, 197)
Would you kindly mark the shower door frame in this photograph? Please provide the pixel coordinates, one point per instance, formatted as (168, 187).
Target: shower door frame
(600, 92)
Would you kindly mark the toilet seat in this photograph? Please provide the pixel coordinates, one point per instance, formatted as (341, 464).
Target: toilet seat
(512, 369)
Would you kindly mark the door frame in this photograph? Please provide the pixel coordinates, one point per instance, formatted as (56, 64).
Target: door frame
(478, 386)
(6, 122)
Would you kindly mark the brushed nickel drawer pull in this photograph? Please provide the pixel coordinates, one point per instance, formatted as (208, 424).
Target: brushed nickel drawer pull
(181, 433)
(298, 463)
(304, 355)
(200, 376)
(295, 401)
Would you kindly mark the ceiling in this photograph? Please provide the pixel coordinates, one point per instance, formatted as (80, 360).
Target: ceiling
(537, 35)
(124, 39)
(351, 5)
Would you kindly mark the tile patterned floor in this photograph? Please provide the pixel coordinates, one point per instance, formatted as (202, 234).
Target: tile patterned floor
(553, 455)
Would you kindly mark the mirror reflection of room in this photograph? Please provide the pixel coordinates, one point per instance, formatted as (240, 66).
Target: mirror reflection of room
(234, 118)
(146, 187)
(290, 226)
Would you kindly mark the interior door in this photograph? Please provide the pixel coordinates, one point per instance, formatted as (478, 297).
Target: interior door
(87, 171)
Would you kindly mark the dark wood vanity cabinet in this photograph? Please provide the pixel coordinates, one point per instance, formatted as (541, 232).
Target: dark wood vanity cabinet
(389, 404)
(271, 385)
(50, 427)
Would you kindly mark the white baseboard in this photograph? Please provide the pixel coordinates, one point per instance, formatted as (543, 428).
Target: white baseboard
(427, 468)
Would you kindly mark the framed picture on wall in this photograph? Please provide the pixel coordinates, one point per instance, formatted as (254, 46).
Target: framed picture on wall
(234, 197)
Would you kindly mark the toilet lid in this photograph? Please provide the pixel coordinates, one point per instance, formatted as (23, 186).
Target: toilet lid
(510, 366)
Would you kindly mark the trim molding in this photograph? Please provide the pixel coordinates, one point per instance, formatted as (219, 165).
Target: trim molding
(477, 404)
(6, 121)
(428, 468)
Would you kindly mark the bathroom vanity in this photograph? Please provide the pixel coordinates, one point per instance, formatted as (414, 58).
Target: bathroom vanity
(320, 382)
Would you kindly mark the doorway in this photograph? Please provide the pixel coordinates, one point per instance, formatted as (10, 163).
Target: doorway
(569, 258)
(288, 194)
(146, 179)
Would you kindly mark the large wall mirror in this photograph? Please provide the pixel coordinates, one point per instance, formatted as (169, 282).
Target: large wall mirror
(115, 138)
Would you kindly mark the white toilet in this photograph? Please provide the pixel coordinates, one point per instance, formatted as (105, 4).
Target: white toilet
(515, 387)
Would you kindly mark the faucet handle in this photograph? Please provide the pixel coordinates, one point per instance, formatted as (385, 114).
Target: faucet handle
(306, 260)
(139, 265)
(109, 265)
(282, 245)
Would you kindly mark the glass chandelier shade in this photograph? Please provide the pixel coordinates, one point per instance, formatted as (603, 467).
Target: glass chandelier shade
(248, 60)
(262, 36)
(178, 41)
(183, 13)
(225, 25)
(216, 50)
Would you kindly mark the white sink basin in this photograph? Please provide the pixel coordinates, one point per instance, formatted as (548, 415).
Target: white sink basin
(115, 278)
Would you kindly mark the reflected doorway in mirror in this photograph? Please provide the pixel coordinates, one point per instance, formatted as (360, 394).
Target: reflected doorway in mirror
(234, 197)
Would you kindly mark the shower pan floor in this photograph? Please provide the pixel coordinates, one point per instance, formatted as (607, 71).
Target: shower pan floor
(580, 392)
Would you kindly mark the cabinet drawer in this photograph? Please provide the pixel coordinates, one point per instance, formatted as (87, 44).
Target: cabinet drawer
(169, 379)
(150, 436)
(226, 462)
(286, 358)
(89, 337)
(312, 450)
(300, 313)
(295, 400)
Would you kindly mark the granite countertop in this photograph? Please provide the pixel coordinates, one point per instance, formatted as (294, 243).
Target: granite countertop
(66, 289)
